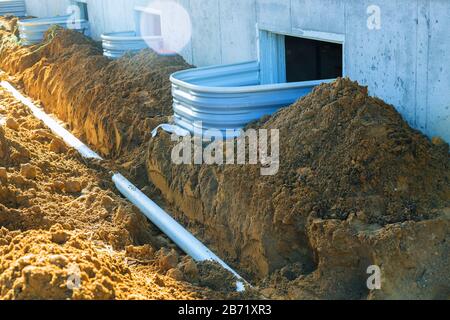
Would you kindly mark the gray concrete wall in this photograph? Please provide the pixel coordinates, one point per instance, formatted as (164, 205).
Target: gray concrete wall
(406, 62)
(46, 8)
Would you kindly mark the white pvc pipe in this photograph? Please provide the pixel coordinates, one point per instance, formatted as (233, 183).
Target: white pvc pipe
(185, 240)
(54, 126)
(169, 226)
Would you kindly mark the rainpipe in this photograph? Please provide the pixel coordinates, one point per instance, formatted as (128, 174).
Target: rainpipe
(175, 231)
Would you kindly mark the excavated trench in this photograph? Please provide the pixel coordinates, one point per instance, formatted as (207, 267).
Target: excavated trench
(61, 219)
(356, 187)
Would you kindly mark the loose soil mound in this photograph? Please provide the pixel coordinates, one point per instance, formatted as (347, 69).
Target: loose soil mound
(60, 264)
(353, 154)
(344, 156)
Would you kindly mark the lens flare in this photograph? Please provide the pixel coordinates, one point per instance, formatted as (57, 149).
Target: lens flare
(168, 20)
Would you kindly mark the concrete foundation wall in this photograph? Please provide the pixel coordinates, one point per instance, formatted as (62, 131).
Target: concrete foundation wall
(406, 61)
(46, 8)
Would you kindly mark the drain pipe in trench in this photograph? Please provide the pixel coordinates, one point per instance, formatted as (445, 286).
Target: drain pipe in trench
(179, 235)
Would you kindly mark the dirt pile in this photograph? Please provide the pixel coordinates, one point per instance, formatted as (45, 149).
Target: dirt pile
(60, 264)
(344, 156)
(353, 154)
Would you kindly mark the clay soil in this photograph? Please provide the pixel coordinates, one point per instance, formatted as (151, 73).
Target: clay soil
(356, 187)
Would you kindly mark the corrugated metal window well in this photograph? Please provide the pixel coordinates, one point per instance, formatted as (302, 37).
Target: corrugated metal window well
(147, 34)
(12, 7)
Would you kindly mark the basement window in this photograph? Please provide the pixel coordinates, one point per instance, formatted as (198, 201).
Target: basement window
(310, 56)
(308, 59)
(148, 21)
(152, 24)
(82, 5)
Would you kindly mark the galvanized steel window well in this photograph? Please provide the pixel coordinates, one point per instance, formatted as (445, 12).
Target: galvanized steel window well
(117, 44)
(13, 7)
(32, 31)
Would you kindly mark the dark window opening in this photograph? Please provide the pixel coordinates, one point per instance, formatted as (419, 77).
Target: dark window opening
(312, 60)
(83, 10)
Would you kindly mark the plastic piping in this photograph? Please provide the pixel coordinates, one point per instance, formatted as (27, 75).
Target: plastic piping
(54, 126)
(185, 240)
(169, 226)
